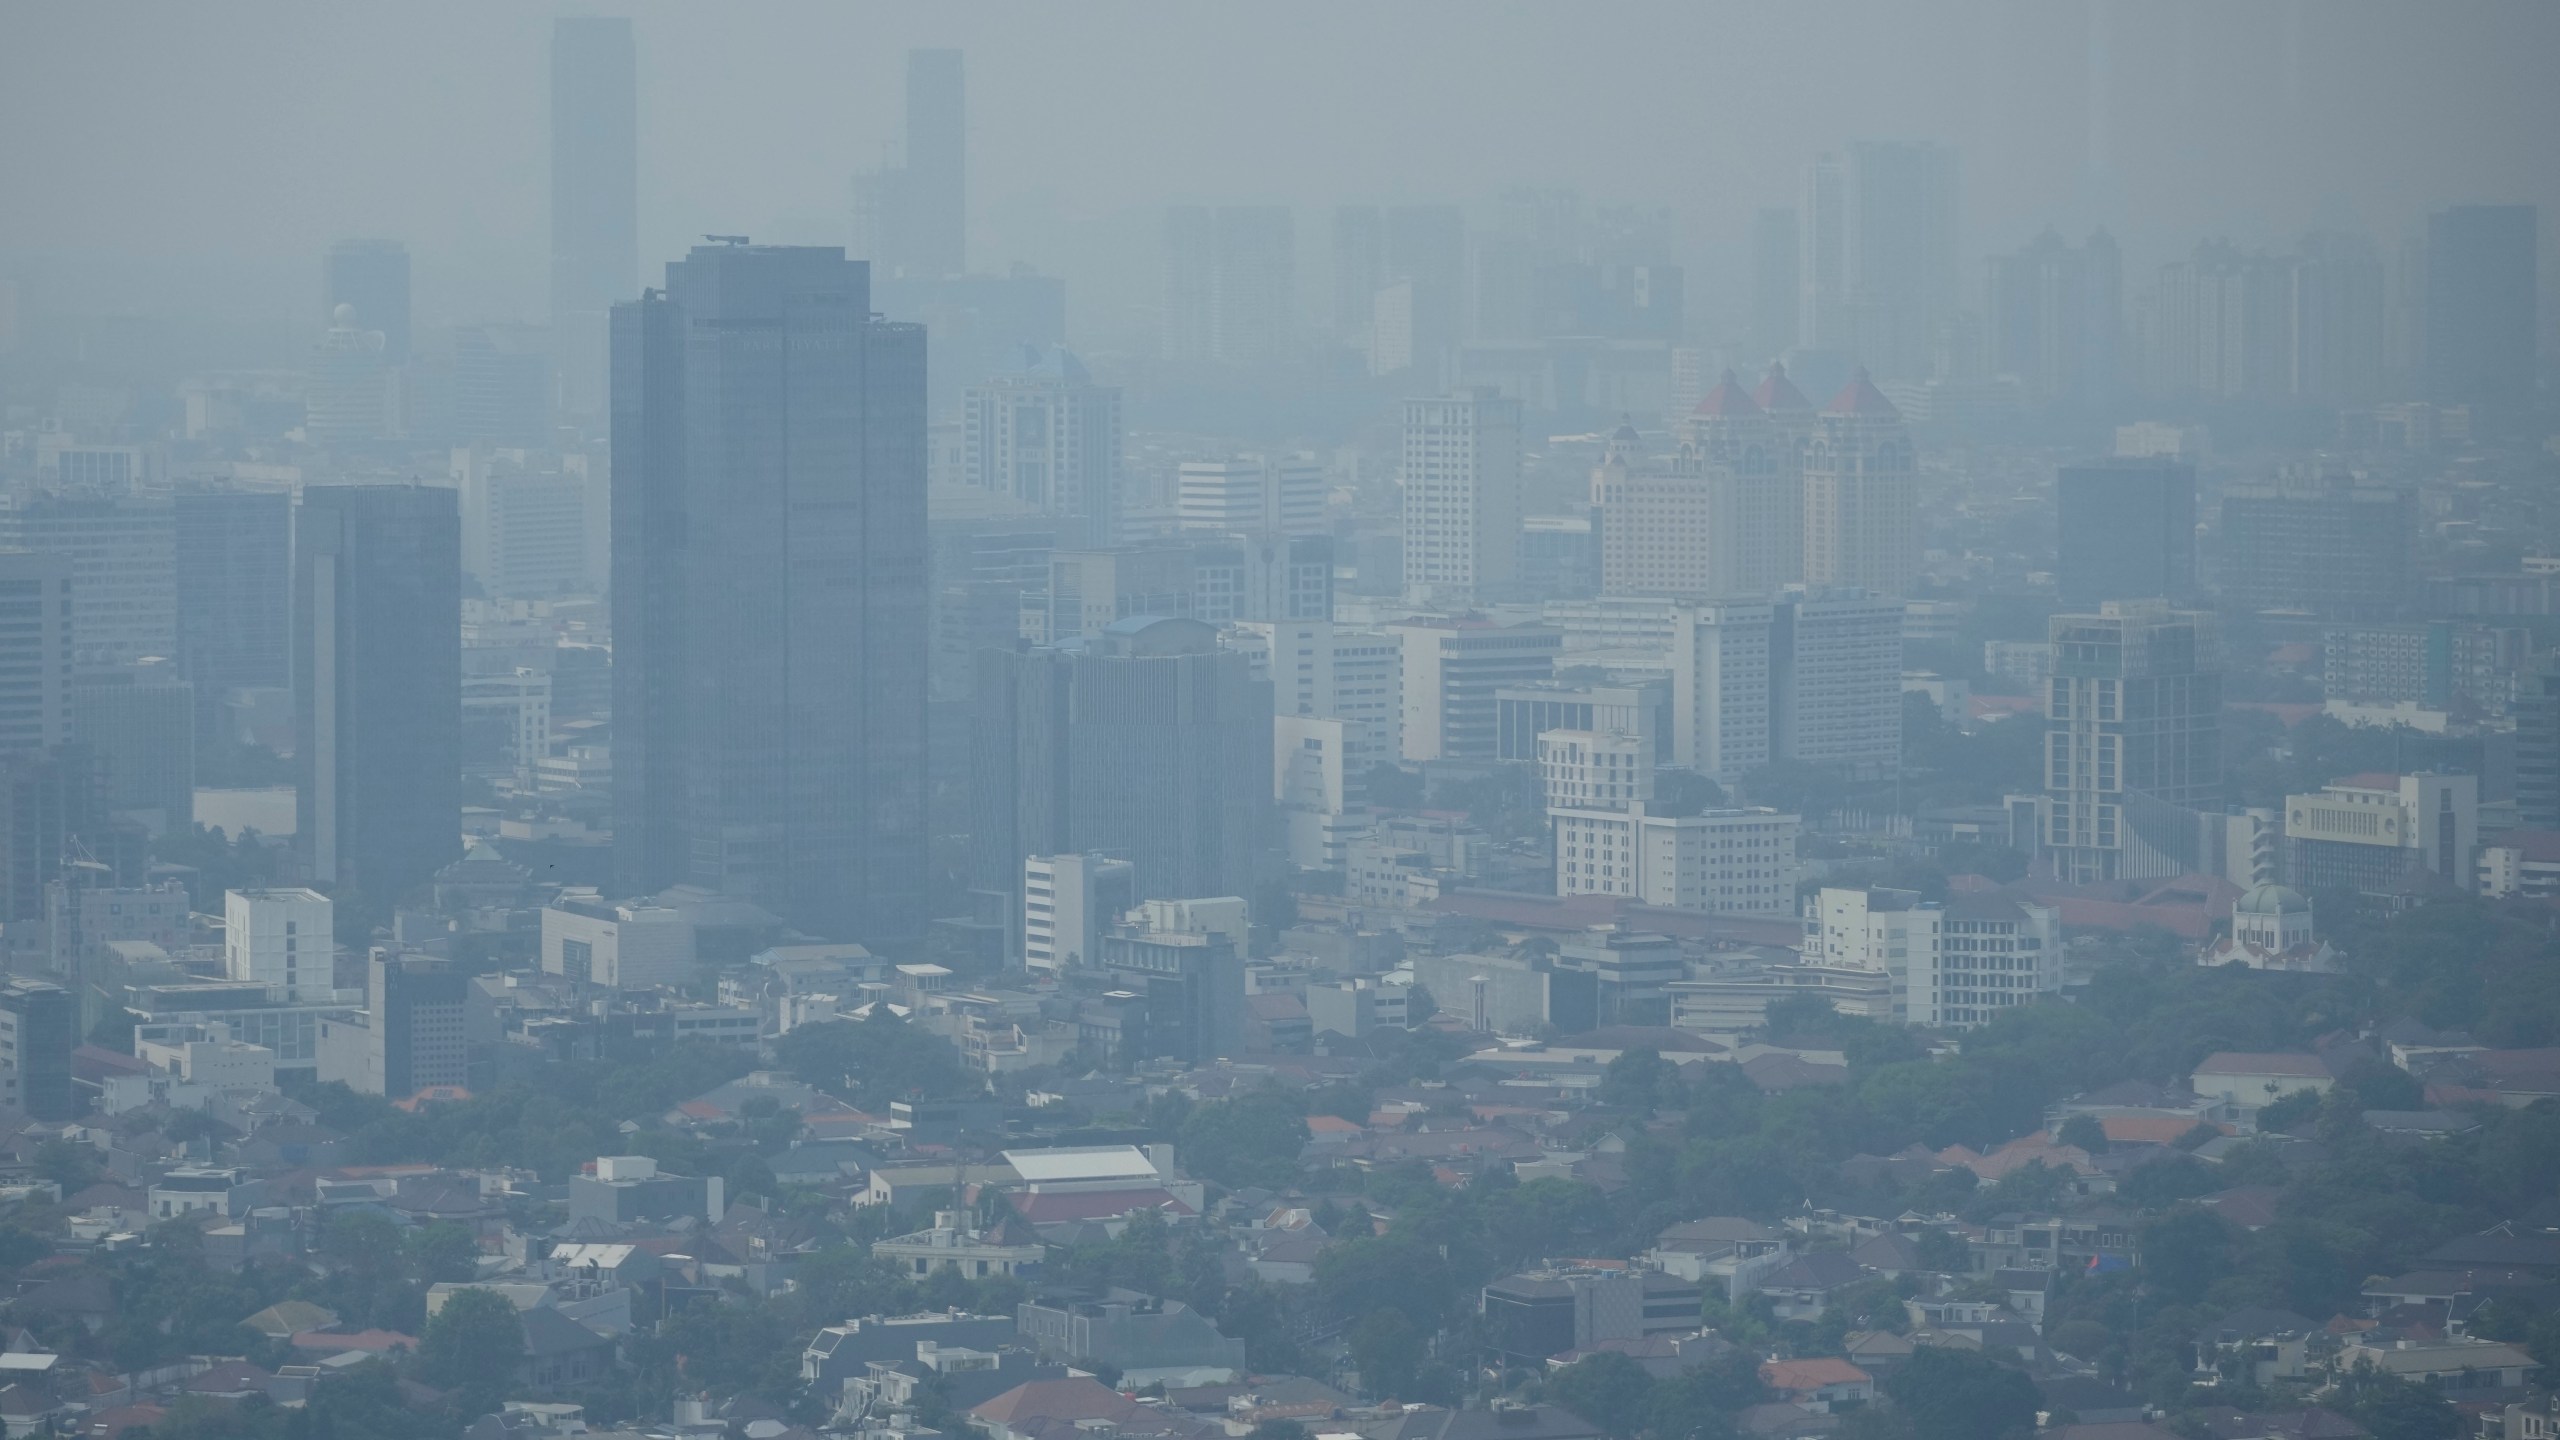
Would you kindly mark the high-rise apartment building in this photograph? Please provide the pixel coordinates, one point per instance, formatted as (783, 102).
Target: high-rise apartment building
(913, 219)
(595, 197)
(2128, 531)
(1231, 286)
(1812, 675)
(1723, 518)
(123, 557)
(1045, 434)
(2340, 546)
(2133, 745)
(281, 939)
(1861, 526)
(1461, 478)
(377, 672)
(233, 579)
(1878, 235)
(2219, 326)
(1273, 494)
(2481, 305)
(2056, 318)
(372, 278)
(1147, 743)
(769, 623)
(2339, 303)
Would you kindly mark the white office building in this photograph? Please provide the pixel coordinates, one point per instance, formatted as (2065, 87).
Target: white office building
(1322, 671)
(1461, 478)
(1950, 966)
(1048, 436)
(1452, 671)
(627, 947)
(1068, 903)
(1281, 495)
(280, 939)
(1812, 676)
(1734, 862)
(525, 534)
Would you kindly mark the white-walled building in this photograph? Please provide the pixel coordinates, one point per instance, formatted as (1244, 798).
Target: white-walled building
(1323, 671)
(1461, 479)
(281, 939)
(1813, 676)
(628, 947)
(1952, 965)
(1252, 494)
(1068, 903)
(1452, 670)
(1737, 862)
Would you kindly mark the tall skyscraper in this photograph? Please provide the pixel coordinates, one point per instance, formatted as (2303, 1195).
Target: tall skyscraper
(372, 277)
(913, 218)
(769, 598)
(2133, 741)
(595, 197)
(1777, 265)
(1045, 434)
(1231, 284)
(1861, 527)
(1148, 743)
(2056, 317)
(1359, 267)
(1461, 479)
(2339, 304)
(139, 725)
(35, 651)
(234, 578)
(1901, 235)
(2218, 326)
(2481, 304)
(123, 555)
(377, 687)
(1822, 265)
(2128, 531)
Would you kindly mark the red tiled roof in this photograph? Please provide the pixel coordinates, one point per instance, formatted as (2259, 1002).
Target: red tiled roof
(1728, 398)
(338, 1342)
(1095, 1204)
(1861, 397)
(2241, 1062)
(2367, 780)
(1777, 392)
(1793, 1375)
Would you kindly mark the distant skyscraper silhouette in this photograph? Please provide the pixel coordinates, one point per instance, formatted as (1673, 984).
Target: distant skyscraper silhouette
(913, 218)
(377, 676)
(769, 591)
(2127, 531)
(595, 206)
(2481, 304)
(372, 276)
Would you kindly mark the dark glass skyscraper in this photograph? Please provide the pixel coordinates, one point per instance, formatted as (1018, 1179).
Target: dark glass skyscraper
(235, 595)
(2128, 531)
(769, 617)
(595, 204)
(377, 687)
(2481, 302)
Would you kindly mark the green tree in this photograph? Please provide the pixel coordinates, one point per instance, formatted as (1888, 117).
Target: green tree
(1607, 1388)
(476, 1338)
(1387, 1350)
(1252, 1139)
(1963, 1395)
(2397, 1409)
(2184, 1253)
(1640, 1080)
(2085, 1132)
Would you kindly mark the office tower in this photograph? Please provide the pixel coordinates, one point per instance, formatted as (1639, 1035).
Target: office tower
(2132, 741)
(1901, 231)
(1089, 590)
(1822, 250)
(1275, 494)
(39, 1026)
(595, 198)
(1359, 267)
(49, 818)
(1451, 673)
(913, 218)
(139, 724)
(2481, 305)
(349, 397)
(1068, 902)
(2384, 836)
(123, 557)
(1230, 284)
(524, 533)
(768, 590)
(372, 278)
(1046, 435)
(2127, 529)
(501, 383)
(2537, 712)
(377, 687)
(283, 939)
(1812, 676)
(1322, 671)
(2219, 326)
(1861, 527)
(1239, 577)
(1411, 259)
(1777, 263)
(1461, 479)
(408, 1038)
(984, 327)
(2332, 544)
(35, 651)
(2339, 301)
(1189, 992)
(233, 579)
(1953, 965)
(1147, 743)
(2056, 318)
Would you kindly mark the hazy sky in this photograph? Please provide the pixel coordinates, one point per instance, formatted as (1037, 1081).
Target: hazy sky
(205, 154)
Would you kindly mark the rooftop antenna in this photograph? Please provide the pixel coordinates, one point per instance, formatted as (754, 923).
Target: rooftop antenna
(726, 239)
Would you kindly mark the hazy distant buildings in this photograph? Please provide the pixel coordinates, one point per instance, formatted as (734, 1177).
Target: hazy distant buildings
(1461, 479)
(2056, 318)
(1776, 268)
(1877, 244)
(1147, 743)
(377, 670)
(2481, 305)
(371, 277)
(2132, 741)
(1271, 494)
(1861, 526)
(1399, 280)
(35, 652)
(1452, 674)
(1231, 284)
(769, 622)
(123, 557)
(234, 581)
(1046, 435)
(595, 204)
(2127, 531)
(2336, 546)
(2339, 301)
(524, 532)
(139, 724)
(913, 218)
(348, 396)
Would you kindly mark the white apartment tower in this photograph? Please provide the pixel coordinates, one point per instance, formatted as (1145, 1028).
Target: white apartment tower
(1461, 478)
(280, 939)
(1047, 435)
(1813, 676)
(1861, 526)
